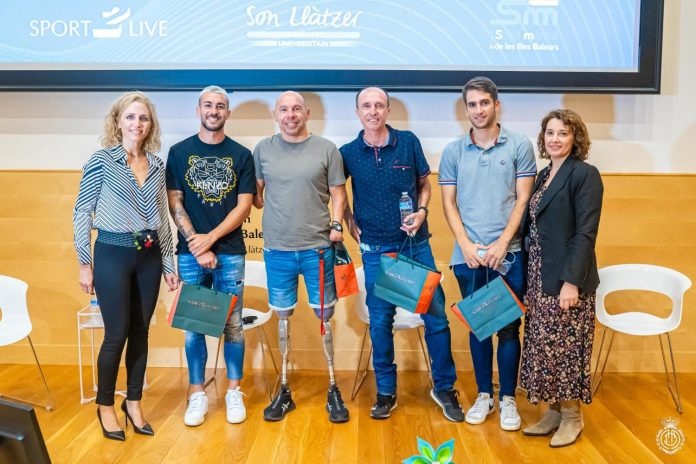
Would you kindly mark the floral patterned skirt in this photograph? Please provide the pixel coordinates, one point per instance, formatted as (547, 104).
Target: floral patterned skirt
(557, 349)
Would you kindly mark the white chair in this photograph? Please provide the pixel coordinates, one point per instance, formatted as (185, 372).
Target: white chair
(15, 324)
(403, 320)
(255, 276)
(641, 277)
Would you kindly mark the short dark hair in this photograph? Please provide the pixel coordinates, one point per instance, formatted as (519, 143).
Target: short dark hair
(482, 84)
(581, 139)
(357, 95)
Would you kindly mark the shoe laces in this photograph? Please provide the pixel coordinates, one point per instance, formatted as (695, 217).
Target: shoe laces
(235, 397)
(279, 398)
(451, 397)
(509, 408)
(384, 401)
(196, 401)
(482, 404)
(335, 397)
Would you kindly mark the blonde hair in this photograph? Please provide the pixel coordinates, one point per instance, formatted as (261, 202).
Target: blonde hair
(112, 134)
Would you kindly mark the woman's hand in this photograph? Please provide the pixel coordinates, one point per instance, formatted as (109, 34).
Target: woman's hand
(569, 296)
(86, 279)
(172, 281)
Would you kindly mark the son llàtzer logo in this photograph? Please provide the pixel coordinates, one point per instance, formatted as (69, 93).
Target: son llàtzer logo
(670, 438)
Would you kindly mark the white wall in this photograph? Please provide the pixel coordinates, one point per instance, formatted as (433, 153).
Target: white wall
(631, 133)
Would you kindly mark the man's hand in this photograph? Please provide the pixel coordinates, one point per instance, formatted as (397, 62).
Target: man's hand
(471, 257)
(335, 236)
(495, 253)
(200, 243)
(418, 218)
(569, 296)
(353, 228)
(207, 260)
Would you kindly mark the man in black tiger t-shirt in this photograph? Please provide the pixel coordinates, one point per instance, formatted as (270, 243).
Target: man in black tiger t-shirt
(211, 184)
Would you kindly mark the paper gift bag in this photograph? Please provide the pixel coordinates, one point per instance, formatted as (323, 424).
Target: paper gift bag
(406, 283)
(489, 309)
(344, 272)
(201, 310)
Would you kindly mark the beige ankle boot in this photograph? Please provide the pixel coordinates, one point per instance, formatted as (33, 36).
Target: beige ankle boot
(571, 425)
(548, 423)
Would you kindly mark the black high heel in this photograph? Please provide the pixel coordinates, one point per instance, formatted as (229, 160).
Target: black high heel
(118, 435)
(144, 430)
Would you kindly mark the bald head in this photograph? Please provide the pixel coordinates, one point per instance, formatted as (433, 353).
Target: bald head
(291, 115)
(371, 90)
(292, 96)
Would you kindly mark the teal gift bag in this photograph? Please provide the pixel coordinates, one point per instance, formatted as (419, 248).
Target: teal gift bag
(489, 309)
(406, 283)
(201, 310)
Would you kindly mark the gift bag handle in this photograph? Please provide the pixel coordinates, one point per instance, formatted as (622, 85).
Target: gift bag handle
(409, 239)
(473, 282)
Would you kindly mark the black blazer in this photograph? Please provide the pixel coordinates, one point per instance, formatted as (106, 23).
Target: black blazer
(567, 223)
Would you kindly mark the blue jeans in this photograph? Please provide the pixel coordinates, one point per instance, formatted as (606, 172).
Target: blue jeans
(283, 269)
(437, 331)
(508, 337)
(228, 277)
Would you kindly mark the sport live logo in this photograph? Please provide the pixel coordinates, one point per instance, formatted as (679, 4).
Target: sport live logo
(113, 24)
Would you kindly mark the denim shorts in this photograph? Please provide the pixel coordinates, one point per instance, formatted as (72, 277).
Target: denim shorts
(283, 269)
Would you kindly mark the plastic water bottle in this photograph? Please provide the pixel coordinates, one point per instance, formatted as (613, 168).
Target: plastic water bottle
(95, 317)
(405, 208)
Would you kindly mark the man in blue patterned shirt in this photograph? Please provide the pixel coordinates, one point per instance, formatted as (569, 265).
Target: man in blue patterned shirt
(384, 163)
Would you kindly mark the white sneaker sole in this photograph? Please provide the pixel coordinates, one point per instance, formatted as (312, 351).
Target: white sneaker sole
(511, 428)
(236, 420)
(195, 423)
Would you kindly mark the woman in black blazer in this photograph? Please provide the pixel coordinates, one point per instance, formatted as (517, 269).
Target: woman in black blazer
(560, 230)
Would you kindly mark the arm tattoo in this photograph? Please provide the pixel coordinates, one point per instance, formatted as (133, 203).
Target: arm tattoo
(181, 218)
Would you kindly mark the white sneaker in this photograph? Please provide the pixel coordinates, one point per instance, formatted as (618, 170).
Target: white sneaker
(509, 418)
(196, 410)
(235, 406)
(480, 410)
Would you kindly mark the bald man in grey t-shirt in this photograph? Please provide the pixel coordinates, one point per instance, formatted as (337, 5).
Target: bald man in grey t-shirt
(300, 172)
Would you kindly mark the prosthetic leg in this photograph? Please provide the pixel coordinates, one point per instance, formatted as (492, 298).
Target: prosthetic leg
(282, 403)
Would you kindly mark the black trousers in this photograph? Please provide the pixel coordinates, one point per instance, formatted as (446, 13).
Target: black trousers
(127, 283)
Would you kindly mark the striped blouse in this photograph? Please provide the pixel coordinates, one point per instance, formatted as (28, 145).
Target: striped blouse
(110, 199)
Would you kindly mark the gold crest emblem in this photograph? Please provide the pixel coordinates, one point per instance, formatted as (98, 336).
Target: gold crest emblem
(670, 438)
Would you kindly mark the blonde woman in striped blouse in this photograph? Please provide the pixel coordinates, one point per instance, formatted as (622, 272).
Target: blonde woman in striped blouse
(123, 195)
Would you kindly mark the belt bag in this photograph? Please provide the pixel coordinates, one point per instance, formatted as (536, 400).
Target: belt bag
(201, 310)
(489, 309)
(406, 283)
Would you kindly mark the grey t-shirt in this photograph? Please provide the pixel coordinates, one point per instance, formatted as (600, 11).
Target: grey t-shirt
(297, 177)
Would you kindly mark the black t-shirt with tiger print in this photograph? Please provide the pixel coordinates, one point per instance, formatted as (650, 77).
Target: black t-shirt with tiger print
(211, 178)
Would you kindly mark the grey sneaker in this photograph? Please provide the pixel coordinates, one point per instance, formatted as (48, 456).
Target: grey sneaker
(280, 406)
(447, 400)
(383, 407)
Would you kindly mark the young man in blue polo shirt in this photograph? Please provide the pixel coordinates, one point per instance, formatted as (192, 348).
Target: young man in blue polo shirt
(384, 162)
(486, 179)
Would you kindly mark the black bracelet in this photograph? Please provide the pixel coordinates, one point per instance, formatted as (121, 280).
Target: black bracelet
(424, 209)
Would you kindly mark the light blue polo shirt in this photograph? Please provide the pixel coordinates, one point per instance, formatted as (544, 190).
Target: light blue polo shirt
(486, 184)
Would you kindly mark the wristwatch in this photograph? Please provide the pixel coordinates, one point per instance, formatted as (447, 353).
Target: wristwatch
(335, 225)
(424, 209)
